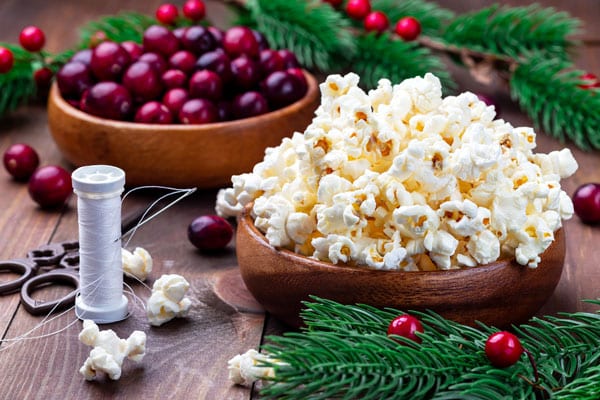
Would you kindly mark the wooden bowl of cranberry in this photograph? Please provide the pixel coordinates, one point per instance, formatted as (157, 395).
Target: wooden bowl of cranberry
(499, 294)
(188, 107)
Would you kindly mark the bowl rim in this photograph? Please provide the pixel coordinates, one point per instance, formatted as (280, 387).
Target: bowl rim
(245, 219)
(309, 96)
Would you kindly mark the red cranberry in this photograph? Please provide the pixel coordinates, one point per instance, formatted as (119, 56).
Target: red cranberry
(503, 349)
(50, 186)
(249, 104)
(245, 72)
(216, 61)
(174, 99)
(589, 81)
(20, 160)
(73, 79)
(7, 60)
(217, 34)
(194, 10)
(160, 40)
(109, 61)
(167, 13)
(224, 110)
(198, 111)
(183, 60)
(107, 100)
(406, 326)
(586, 202)
(289, 58)
(83, 56)
(153, 112)
(43, 78)
(282, 88)
(358, 9)
(198, 40)
(408, 28)
(179, 32)
(376, 21)
(206, 84)
(334, 3)
(135, 50)
(261, 40)
(32, 38)
(270, 61)
(142, 81)
(155, 60)
(240, 40)
(210, 232)
(174, 78)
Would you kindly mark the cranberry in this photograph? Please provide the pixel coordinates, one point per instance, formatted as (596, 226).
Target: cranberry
(589, 81)
(210, 232)
(224, 110)
(198, 40)
(83, 56)
(160, 40)
(217, 34)
(179, 32)
(50, 186)
(282, 88)
(135, 50)
(155, 60)
(7, 60)
(198, 111)
(174, 99)
(107, 100)
(20, 160)
(406, 326)
(97, 38)
(167, 13)
(245, 72)
(489, 102)
(73, 79)
(109, 61)
(334, 3)
(270, 61)
(408, 28)
(194, 10)
(376, 22)
(174, 78)
(43, 78)
(261, 40)
(216, 61)
(142, 81)
(358, 9)
(586, 202)
(183, 60)
(206, 84)
(289, 58)
(32, 38)
(153, 112)
(249, 104)
(240, 40)
(503, 349)
(298, 73)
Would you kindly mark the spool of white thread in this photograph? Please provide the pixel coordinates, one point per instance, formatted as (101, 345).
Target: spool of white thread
(98, 189)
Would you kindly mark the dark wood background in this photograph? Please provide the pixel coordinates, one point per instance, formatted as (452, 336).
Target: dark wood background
(187, 358)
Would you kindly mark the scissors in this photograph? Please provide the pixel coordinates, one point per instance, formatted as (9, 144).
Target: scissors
(45, 265)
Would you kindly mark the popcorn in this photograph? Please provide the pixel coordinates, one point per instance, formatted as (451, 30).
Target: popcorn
(109, 351)
(401, 178)
(137, 264)
(168, 299)
(244, 369)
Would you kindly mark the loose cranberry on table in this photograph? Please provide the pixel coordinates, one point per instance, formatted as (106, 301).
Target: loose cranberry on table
(107, 100)
(194, 10)
(239, 40)
(135, 50)
(198, 111)
(167, 13)
(73, 79)
(586, 202)
(161, 40)
(153, 112)
(20, 160)
(206, 84)
(249, 104)
(210, 232)
(50, 186)
(109, 61)
(174, 99)
(32, 38)
(174, 78)
(7, 60)
(198, 40)
(142, 81)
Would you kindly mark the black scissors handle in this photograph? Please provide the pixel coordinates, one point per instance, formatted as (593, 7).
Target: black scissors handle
(25, 268)
(35, 307)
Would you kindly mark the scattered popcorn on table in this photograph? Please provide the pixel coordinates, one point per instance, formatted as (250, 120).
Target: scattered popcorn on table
(137, 264)
(109, 350)
(244, 369)
(400, 178)
(168, 299)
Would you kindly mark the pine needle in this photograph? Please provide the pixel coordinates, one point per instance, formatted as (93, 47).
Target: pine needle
(17, 86)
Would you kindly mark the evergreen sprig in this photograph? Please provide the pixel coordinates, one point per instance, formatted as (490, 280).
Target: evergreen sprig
(118, 28)
(343, 352)
(431, 16)
(17, 86)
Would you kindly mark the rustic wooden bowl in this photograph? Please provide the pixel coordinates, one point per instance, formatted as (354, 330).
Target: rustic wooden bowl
(176, 155)
(498, 294)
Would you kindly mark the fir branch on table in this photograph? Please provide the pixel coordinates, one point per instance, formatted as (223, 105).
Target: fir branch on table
(344, 352)
(118, 28)
(17, 86)
(547, 89)
(431, 16)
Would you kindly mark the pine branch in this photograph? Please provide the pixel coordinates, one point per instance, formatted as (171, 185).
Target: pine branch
(431, 16)
(17, 86)
(118, 28)
(514, 31)
(312, 30)
(547, 89)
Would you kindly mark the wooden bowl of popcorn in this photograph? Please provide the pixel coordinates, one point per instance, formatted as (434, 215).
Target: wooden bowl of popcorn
(499, 294)
(203, 156)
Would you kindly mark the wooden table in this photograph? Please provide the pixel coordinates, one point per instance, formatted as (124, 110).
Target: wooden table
(187, 358)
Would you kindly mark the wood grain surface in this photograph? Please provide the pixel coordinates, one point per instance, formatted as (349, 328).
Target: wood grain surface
(187, 358)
